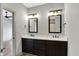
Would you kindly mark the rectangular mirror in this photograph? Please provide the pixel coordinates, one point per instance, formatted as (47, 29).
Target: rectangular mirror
(33, 25)
(55, 24)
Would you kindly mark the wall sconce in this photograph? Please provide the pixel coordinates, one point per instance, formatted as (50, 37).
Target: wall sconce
(34, 15)
(55, 12)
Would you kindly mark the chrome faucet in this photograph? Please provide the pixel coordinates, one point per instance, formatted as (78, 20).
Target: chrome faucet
(55, 36)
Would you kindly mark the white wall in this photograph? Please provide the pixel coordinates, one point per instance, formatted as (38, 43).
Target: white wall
(72, 31)
(43, 11)
(20, 17)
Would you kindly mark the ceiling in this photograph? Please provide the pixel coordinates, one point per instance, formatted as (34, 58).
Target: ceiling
(29, 5)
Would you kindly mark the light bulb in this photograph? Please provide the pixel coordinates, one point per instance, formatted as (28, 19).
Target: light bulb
(36, 15)
(50, 13)
(30, 16)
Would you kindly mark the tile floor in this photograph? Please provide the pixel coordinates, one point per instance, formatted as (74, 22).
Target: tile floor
(8, 48)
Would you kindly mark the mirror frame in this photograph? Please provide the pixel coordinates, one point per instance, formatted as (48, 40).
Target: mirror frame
(60, 24)
(36, 25)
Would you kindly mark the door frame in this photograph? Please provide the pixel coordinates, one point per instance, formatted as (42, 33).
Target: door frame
(13, 30)
(1, 29)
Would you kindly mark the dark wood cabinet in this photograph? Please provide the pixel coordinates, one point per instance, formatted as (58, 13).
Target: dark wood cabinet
(44, 47)
(39, 47)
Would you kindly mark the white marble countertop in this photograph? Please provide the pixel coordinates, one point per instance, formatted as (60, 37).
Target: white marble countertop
(43, 37)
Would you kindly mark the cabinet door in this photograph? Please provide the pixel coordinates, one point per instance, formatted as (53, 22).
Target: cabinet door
(27, 45)
(39, 47)
(61, 48)
(56, 48)
(50, 48)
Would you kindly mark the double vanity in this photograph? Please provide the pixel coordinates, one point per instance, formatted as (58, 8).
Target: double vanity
(44, 46)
